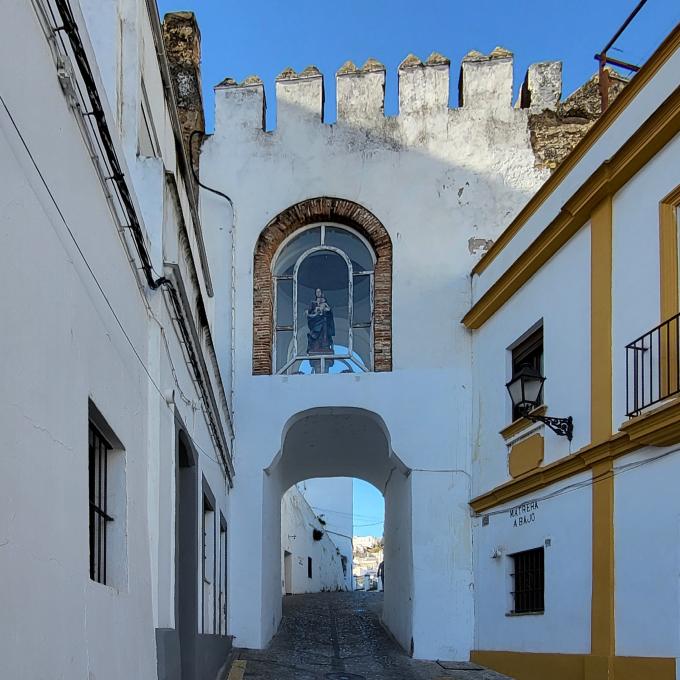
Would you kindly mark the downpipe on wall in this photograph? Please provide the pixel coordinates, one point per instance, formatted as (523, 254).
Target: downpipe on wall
(233, 259)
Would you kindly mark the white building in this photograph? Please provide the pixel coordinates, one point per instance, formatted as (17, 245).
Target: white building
(311, 561)
(332, 499)
(368, 555)
(404, 201)
(576, 550)
(116, 431)
(174, 361)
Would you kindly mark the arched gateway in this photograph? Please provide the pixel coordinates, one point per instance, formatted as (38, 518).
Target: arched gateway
(319, 393)
(349, 442)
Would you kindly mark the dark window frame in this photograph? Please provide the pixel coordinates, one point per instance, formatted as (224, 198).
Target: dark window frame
(528, 578)
(310, 570)
(99, 450)
(527, 352)
(208, 580)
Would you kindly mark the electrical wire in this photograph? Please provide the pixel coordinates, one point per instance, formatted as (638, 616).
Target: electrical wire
(96, 119)
(344, 514)
(89, 267)
(576, 486)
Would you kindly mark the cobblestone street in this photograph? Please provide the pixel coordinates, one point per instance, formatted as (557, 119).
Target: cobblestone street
(338, 636)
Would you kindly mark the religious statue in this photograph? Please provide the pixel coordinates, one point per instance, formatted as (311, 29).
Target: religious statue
(320, 325)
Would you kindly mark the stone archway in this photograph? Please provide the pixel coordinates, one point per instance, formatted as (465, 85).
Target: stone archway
(341, 211)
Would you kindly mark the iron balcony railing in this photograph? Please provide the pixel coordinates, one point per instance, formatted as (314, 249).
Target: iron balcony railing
(652, 366)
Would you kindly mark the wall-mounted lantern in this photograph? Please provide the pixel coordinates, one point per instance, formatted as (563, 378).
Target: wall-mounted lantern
(526, 391)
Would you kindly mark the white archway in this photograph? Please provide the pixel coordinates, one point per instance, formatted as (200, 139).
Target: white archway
(345, 442)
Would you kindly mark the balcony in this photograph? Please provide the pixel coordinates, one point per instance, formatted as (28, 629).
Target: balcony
(652, 367)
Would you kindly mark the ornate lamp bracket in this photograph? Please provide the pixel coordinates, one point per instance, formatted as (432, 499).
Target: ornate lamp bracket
(564, 427)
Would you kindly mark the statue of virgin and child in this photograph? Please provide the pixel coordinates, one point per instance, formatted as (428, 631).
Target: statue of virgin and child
(320, 325)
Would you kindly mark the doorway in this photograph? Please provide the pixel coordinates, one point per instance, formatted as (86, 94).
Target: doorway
(186, 560)
(287, 572)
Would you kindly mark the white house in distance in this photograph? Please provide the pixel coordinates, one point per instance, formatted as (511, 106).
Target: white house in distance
(311, 560)
(371, 286)
(332, 499)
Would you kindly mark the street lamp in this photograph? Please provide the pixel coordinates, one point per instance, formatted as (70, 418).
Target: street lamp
(526, 390)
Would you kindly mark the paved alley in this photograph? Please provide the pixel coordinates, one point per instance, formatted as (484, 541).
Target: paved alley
(338, 636)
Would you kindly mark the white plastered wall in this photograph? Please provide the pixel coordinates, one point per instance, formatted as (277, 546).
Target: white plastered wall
(565, 626)
(473, 168)
(635, 272)
(333, 499)
(647, 557)
(64, 348)
(298, 522)
(559, 295)
(80, 625)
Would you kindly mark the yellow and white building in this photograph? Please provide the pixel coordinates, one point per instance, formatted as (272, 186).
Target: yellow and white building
(577, 543)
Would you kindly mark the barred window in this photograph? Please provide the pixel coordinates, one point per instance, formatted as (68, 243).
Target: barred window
(222, 605)
(323, 289)
(528, 581)
(208, 562)
(99, 451)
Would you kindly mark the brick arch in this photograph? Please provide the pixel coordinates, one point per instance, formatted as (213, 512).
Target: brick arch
(323, 209)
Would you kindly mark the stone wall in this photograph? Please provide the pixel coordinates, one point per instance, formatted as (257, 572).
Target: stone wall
(182, 39)
(557, 129)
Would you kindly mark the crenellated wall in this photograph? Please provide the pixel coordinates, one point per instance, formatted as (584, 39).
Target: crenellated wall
(485, 87)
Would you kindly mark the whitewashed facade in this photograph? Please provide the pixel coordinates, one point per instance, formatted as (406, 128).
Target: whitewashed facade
(134, 309)
(311, 562)
(592, 263)
(438, 179)
(332, 499)
(95, 346)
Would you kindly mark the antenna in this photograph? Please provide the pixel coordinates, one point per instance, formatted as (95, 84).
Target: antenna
(604, 59)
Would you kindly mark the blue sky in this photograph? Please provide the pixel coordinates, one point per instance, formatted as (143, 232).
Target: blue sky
(369, 510)
(262, 38)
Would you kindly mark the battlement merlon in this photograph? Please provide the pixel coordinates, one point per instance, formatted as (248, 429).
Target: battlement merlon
(486, 80)
(360, 92)
(542, 87)
(423, 87)
(299, 96)
(240, 105)
(485, 85)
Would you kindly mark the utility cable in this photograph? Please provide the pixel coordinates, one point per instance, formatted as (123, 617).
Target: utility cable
(89, 267)
(70, 28)
(586, 482)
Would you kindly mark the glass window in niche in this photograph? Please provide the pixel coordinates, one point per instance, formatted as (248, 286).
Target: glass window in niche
(298, 245)
(353, 247)
(323, 281)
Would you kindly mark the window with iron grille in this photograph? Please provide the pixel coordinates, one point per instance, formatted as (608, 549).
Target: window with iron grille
(222, 605)
(528, 352)
(99, 451)
(208, 566)
(528, 581)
